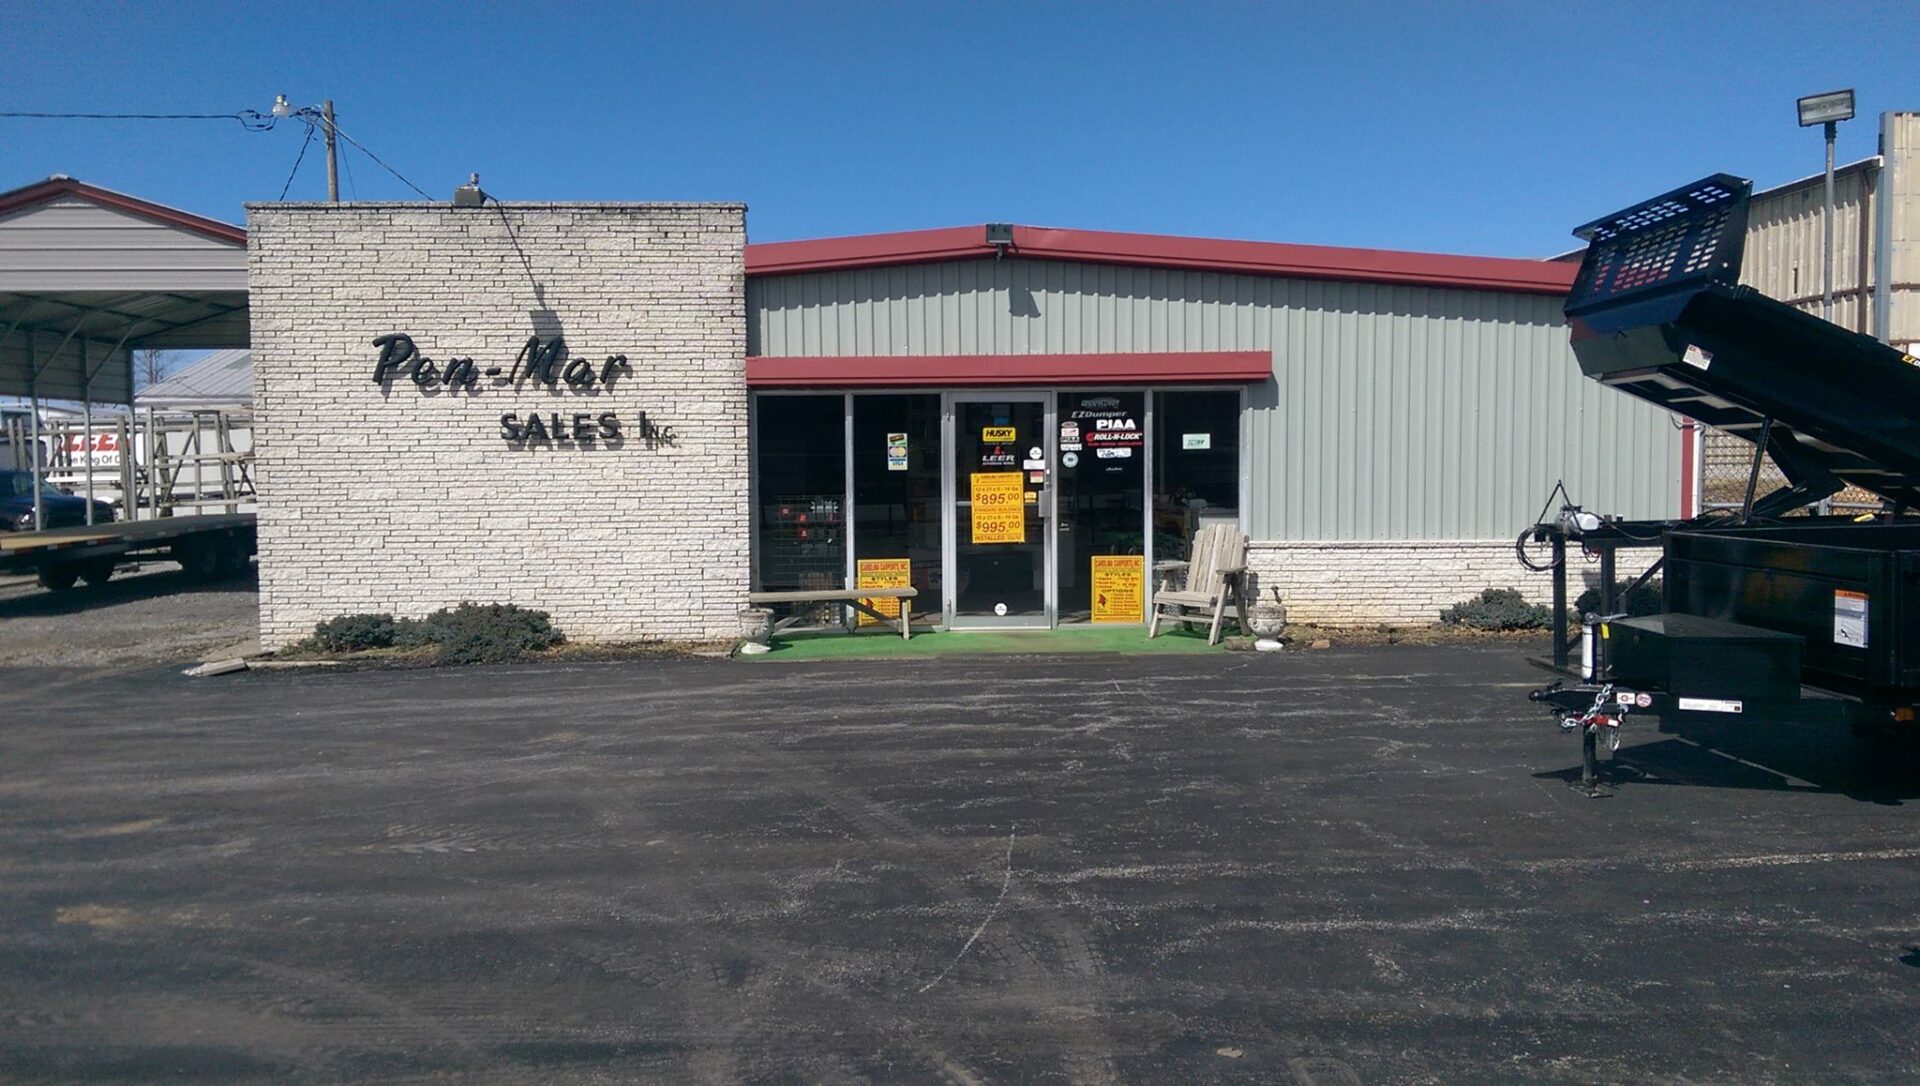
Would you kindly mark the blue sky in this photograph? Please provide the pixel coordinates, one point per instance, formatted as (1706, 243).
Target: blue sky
(1472, 128)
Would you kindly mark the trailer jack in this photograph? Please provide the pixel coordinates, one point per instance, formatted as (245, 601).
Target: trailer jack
(1597, 723)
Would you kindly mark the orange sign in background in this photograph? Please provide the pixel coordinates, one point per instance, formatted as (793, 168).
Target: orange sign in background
(882, 573)
(999, 507)
(1119, 587)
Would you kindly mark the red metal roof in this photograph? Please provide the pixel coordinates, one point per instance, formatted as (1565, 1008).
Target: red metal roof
(1032, 242)
(947, 371)
(57, 186)
(1156, 250)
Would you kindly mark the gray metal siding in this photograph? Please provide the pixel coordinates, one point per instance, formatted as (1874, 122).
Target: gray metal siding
(74, 244)
(1395, 412)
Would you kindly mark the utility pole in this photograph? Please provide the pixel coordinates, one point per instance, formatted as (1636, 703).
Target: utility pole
(333, 178)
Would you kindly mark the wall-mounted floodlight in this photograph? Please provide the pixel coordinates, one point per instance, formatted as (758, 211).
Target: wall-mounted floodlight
(1000, 236)
(469, 194)
(1826, 108)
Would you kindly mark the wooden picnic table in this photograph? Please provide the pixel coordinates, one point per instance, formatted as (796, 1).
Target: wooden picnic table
(854, 597)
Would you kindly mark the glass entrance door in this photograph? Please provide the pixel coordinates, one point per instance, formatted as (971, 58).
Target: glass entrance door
(998, 488)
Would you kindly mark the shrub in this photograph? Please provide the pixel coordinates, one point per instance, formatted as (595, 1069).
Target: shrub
(475, 633)
(1498, 609)
(1644, 600)
(354, 633)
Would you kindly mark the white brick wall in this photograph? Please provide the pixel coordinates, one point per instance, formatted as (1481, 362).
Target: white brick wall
(401, 499)
(1408, 583)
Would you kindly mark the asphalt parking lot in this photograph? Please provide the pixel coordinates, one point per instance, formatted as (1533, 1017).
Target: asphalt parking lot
(1349, 866)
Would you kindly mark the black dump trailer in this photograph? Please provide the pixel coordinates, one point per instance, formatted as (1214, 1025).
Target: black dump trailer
(1764, 615)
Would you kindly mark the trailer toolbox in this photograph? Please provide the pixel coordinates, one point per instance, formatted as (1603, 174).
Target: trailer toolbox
(1694, 657)
(1851, 591)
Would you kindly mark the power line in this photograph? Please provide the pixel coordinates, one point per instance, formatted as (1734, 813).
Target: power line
(382, 164)
(250, 119)
(297, 160)
(353, 187)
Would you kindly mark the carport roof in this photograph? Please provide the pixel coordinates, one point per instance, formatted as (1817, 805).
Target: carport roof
(88, 274)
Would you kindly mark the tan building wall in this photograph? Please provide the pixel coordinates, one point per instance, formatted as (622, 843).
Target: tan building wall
(407, 495)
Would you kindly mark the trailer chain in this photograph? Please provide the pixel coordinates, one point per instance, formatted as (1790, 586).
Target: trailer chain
(1607, 712)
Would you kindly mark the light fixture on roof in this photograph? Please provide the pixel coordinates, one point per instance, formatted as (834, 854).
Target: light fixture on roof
(1000, 236)
(469, 194)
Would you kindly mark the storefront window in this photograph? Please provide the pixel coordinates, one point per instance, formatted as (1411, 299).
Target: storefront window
(1101, 475)
(1196, 466)
(896, 498)
(800, 470)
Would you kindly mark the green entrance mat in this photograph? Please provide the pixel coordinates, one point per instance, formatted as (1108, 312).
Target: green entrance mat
(874, 643)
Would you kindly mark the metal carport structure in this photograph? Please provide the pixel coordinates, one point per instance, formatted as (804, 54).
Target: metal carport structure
(89, 275)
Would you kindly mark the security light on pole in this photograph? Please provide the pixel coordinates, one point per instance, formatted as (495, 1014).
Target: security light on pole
(323, 116)
(1828, 110)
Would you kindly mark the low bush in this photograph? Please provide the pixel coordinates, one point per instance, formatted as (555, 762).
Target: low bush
(475, 633)
(355, 633)
(471, 633)
(1498, 609)
(1644, 600)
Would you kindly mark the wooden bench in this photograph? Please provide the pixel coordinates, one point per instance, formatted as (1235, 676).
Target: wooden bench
(854, 597)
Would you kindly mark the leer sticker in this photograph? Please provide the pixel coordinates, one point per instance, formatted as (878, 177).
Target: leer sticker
(1709, 705)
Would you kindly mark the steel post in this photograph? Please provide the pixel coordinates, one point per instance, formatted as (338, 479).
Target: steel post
(86, 407)
(1609, 604)
(1826, 289)
(1559, 600)
(33, 452)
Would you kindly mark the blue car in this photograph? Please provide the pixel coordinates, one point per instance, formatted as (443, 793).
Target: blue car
(62, 510)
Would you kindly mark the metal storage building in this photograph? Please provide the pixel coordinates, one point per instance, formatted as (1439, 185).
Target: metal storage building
(1405, 416)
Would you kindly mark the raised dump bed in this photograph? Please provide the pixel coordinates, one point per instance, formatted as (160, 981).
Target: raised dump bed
(1771, 618)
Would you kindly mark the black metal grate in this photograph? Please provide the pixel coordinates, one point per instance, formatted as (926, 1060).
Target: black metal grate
(1693, 234)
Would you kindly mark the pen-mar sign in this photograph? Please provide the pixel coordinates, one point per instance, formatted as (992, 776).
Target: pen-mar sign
(543, 362)
(999, 508)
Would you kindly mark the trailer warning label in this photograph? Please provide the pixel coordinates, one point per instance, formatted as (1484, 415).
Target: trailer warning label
(1850, 618)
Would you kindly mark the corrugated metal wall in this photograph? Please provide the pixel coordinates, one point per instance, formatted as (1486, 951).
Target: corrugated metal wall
(1396, 412)
(1786, 235)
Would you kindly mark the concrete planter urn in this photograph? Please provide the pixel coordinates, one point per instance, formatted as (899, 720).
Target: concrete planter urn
(1268, 619)
(756, 625)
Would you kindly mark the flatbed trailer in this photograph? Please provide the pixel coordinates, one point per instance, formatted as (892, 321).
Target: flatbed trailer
(207, 547)
(1768, 615)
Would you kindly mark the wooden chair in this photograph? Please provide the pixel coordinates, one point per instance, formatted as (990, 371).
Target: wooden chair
(1197, 589)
